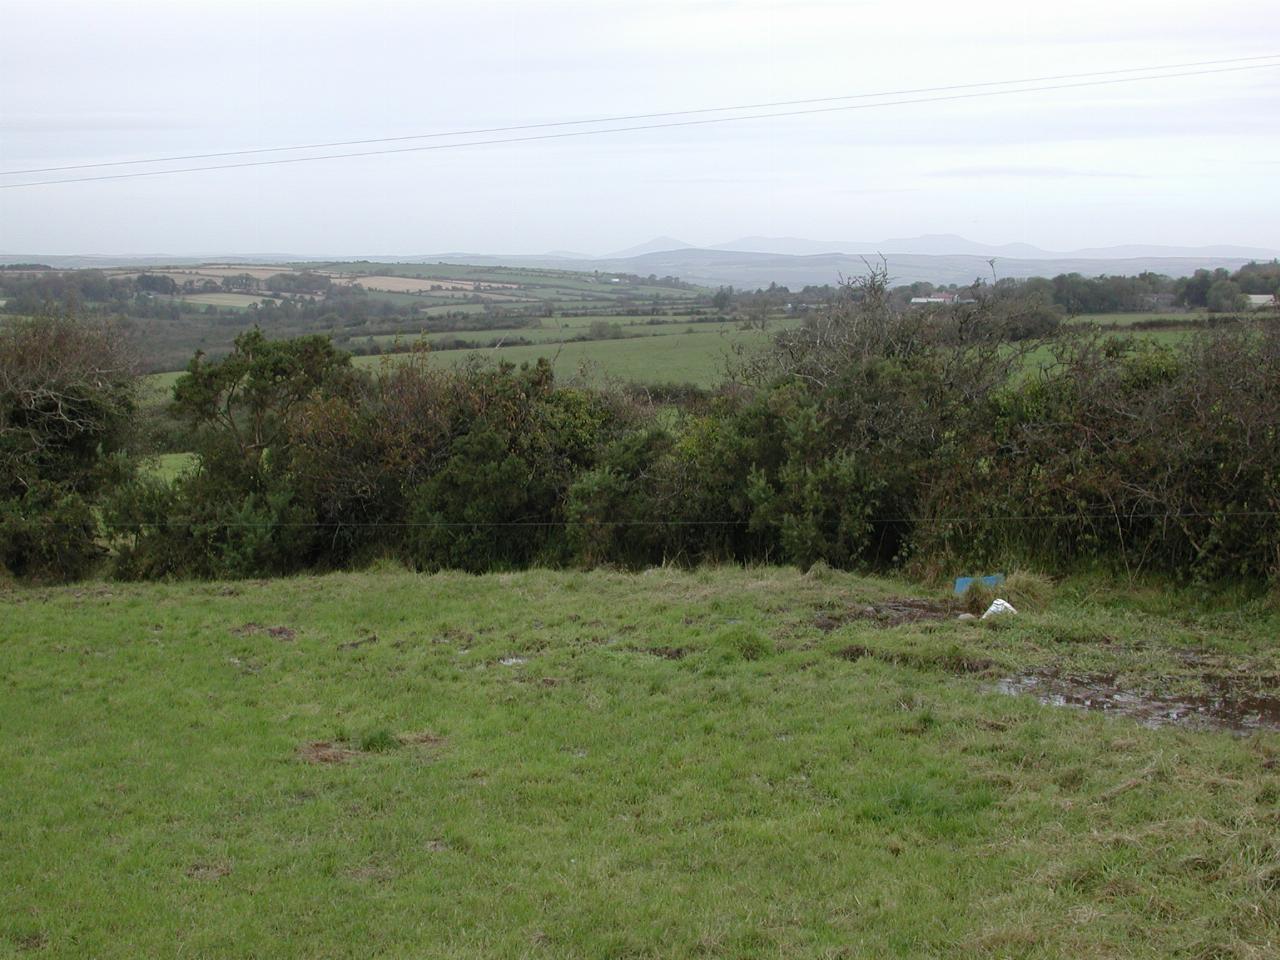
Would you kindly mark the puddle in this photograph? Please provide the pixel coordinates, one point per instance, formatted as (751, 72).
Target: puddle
(1229, 704)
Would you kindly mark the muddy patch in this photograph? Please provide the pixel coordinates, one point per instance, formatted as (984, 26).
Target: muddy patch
(666, 653)
(1229, 703)
(208, 871)
(371, 872)
(887, 613)
(543, 681)
(324, 751)
(278, 632)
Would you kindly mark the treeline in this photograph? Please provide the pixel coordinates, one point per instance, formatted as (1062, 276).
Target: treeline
(868, 438)
(1072, 294)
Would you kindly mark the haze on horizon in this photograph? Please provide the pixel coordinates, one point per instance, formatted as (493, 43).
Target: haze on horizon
(1190, 161)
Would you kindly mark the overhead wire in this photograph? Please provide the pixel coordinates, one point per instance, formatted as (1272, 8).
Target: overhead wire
(641, 116)
(702, 121)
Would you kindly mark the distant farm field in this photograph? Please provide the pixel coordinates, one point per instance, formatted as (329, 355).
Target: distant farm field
(680, 352)
(237, 300)
(699, 357)
(1127, 319)
(408, 284)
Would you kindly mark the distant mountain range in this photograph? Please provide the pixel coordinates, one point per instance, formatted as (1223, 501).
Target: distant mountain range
(948, 244)
(758, 261)
(751, 270)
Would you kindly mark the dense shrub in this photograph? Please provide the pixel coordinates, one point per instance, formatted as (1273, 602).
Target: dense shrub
(49, 533)
(1141, 457)
(240, 513)
(66, 411)
(867, 437)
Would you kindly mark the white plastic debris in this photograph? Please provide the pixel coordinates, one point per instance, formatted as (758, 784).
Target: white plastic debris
(998, 607)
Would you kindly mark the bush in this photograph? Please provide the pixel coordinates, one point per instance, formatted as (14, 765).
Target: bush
(67, 396)
(867, 438)
(49, 533)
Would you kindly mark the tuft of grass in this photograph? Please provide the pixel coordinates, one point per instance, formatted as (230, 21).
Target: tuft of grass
(978, 597)
(379, 740)
(821, 572)
(743, 643)
(1026, 590)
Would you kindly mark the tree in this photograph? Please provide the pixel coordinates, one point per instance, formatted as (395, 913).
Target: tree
(1193, 291)
(1224, 296)
(67, 392)
(155, 283)
(248, 396)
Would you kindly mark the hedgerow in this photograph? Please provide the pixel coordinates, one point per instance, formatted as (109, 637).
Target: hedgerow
(867, 438)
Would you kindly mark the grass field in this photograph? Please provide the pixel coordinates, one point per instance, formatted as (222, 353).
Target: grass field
(1044, 355)
(157, 388)
(239, 300)
(716, 763)
(559, 329)
(657, 353)
(698, 356)
(1127, 319)
(169, 466)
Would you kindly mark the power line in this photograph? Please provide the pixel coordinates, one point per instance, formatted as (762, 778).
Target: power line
(652, 126)
(644, 116)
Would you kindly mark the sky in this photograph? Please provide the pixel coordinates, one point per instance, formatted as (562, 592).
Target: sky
(1184, 161)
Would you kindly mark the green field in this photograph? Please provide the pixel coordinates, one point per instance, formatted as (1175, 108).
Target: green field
(698, 356)
(236, 301)
(169, 466)
(651, 353)
(530, 281)
(681, 353)
(1128, 319)
(715, 763)
(1044, 355)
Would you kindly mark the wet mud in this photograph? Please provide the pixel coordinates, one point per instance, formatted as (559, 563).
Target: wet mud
(1230, 702)
(888, 613)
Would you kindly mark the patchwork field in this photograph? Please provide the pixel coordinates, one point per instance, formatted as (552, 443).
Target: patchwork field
(206, 272)
(713, 763)
(406, 284)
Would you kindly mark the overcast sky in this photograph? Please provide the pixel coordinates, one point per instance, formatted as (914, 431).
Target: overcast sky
(1190, 161)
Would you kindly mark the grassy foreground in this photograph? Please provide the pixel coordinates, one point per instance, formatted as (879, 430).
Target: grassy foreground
(722, 763)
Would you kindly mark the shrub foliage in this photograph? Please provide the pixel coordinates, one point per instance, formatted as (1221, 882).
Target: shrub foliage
(868, 437)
